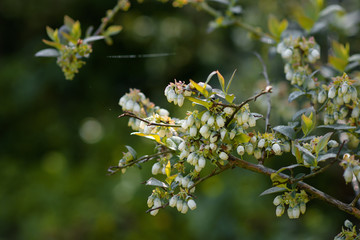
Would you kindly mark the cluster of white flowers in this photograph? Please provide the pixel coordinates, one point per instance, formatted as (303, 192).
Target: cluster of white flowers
(351, 167)
(342, 99)
(296, 204)
(182, 205)
(176, 92)
(263, 142)
(298, 53)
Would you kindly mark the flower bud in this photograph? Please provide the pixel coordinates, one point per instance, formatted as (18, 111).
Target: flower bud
(129, 105)
(343, 112)
(333, 144)
(192, 204)
(173, 201)
(239, 118)
(223, 156)
(344, 88)
(180, 100)
(296, 211)
(223, 132)
(179, 205)
(183, 154)
(302, 207)
(211, 121)
(280, 209)
(190, 184)
(213, 146)
(178, 178)
(348, 174)
(204, 130)
(205, 117)
(286, 54)
(289, 75)
(155, 168)
(315, 53)
(154, 212)
(123, 100)
(185, 181)
(336, 115)
(191, 157)
(276, 148)
(228, 110)
(277, 200)
(353, 92)
(185, 208)
(136, 108)
(193, 131)
(184, 124)
(347, 98)
(355, 112)
(220, 121)
(252, 121)
(182, 146)
(290, 212)
(157, 202)
(190, 120)
(232, 134)
(150, 201)
(257, 153)
(162, 132)
(332, 92)
(240, 150)
(201, 162)
(249, 148)
(322, 96)
(261, 143)
(171, 95)
(245, 117)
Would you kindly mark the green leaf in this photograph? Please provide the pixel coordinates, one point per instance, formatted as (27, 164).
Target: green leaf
(305, 22)
(276, 27)
(242, 138)
(230, 98)
(202, 90)
(306, 111)
(338, 63)
(168, 169)
(221, 80)
(48, 52)
(154, 137)
(170, 179)
(132, 151)
(230, 81)
(199, 101)
(305, 151)
(286, 131)
(68, 21)
(93, 39)
(278, 181)
(76, 30)
(307, 124)
(337, 126)
(113, 30)
(296, 152)
(294, 95)
(50, 32)
(273, 190)
(326, 156)
(154, 182)
(322, 142)
(52, 44)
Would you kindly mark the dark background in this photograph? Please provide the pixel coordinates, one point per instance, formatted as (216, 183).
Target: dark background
(53, 169)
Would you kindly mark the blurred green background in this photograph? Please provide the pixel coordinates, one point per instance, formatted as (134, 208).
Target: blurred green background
(58, 137)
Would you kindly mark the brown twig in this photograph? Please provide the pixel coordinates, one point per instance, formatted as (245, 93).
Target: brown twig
(153, 209)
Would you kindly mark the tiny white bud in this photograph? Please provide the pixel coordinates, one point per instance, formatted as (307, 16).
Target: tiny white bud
(322, 96)
(332, 92)
(355, 112)
(185, 208)
(163, 112)
(347, 98)
(220, 121)
(155, 168)
(204, 130)
(183, 154)
(150, 201)
(190, 184)
(213, 146)
(178, 178)
(205, 117)
(157, 202)
(223, 132)
(290, 213)
(232, 134)
(162, 133)
(192, 204)
(228, 110)
(257, 153)
(344, 88)
(182, 146)
(185, 181)
(193, 131)
(261, 143)
(184, 124)
(213, 137)
(249, 148)
(180, 100)
(129, 105)
(211, 121)
(173, 201)
(201, 162)
(245, 117)
(289, 75)
(136, 108)
(276, 148)
(348, 174)
(296, 211)
(179, 205)
(252, 121)
(190, 158)
(190, 120)
(280, 210)
(240, 150)
(154, 212)
(302, 207)
(253, 139)
(277, 200)
(287, 53)
(123, 100)
(223, 156)
(239, 118)
(333, 144)
(171, 95)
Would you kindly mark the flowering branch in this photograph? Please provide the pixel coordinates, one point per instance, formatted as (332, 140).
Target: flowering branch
(315, 193)
(130, 114)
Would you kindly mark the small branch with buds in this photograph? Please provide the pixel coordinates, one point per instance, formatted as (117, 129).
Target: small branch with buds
(130, 114)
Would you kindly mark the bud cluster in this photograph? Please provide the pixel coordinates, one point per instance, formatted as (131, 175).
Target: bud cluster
(351, 167)
(348, 232)
(176, 92)
(298, 53)
(296, 203)
(260, 143)
(182, 204)
(342, 103)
